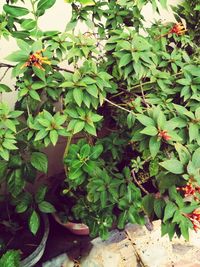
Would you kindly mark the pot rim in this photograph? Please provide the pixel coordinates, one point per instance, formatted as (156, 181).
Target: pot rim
(41, 245)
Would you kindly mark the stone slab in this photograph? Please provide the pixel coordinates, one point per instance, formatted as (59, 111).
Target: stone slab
(157, 251)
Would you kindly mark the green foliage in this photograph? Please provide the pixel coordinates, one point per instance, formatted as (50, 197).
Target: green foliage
(10, 259)
(133, 97)
(190, 12)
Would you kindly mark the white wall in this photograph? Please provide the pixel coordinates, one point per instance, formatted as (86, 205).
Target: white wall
(56, 19)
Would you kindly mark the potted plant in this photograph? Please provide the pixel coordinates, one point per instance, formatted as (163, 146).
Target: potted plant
(134, 97)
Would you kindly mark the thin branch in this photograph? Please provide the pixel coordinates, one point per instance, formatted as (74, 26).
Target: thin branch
(63, 69)
(4, 74)
(5, 65)
(22, 130)
(136, 181)
(116, 105)
(143, 96)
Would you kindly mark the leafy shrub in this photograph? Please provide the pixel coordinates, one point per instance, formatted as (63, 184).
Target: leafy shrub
(134, 97)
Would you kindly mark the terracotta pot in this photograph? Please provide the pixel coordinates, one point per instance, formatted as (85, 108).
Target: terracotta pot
(75, 228)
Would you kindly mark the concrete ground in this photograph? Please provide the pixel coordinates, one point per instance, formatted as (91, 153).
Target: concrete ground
(137, 247)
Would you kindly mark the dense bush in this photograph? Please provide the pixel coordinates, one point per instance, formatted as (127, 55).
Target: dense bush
(134, 96)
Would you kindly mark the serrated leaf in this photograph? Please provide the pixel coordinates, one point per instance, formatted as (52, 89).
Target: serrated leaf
(169, 211)
(39, 161)
(173, 165)
(154, 146)
(149, 130)
(46, 207)
(34, 222)
(78, 96)
(53, 137)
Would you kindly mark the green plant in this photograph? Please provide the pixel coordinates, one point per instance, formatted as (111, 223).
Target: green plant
(133, 97)
(190, 12)
(10, 258)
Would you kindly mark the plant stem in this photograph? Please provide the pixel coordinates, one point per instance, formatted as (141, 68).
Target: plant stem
(143, 96)
(136, 181)
(67, 150)
(20, 131)
(35, 16)
(116, 105)
(4, 74)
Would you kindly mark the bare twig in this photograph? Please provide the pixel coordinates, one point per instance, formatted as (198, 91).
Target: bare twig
(143, 96)
(136, 181)
(116, 105)
(4, 74)
(5, 65)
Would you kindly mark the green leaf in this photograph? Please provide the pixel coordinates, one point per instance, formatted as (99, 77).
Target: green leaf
(39, 161)
(97, 150)
(3, 168)
(15, 11)
(85, 150)
(173, 165)
(16, 182)
(53, 137)
(145, 120)
(169, 211)
(122, 219)
(163, 3)
(10, 259)
(4, 88)
(196, 158)
(78, 127)
(153, 167)
(148, 204)
(24, 46)
(34, 95)
(92, 90)
(39, 73)
(184, 226)
(78, 96)
(45, 4)
(140, 43)
(154, 146)
(40, 194)
(91, 130)
(149, 130)
(130, 120)
(87, 2)
(193, 131)
(46, 207)
(28, 24)
(103, 198)
(21, 207)
(159, 205)
(183, 153)
(34, 222)
(125, 60)
(18, 56)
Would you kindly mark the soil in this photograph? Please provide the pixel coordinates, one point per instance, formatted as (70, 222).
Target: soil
(15, 234)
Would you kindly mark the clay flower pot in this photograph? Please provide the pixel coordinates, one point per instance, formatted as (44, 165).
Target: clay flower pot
(75, 228)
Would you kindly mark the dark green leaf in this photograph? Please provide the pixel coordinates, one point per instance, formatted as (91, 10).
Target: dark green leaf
(46, 207)
(173, 165)
(39, 161)
(34, 222)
